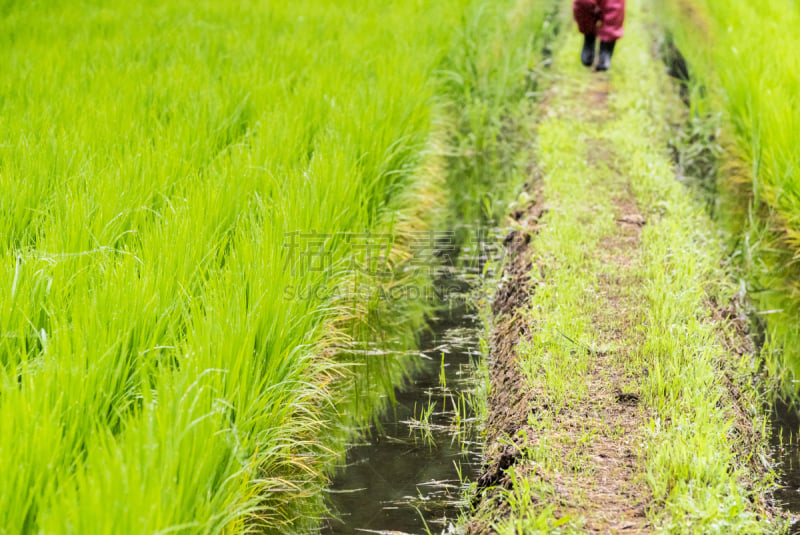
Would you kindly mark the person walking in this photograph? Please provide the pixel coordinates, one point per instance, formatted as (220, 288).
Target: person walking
(599, 19)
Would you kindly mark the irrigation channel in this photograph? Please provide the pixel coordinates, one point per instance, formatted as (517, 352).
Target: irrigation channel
(406, 475)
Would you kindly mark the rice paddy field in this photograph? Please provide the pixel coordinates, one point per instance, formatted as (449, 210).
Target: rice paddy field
(215, 216)
(743, 70)
(179, 180)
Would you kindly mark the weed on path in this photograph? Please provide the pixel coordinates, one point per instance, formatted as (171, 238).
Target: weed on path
(619, 403)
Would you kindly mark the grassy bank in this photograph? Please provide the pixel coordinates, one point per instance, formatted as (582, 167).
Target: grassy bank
(622, 385)
(176, 180)
(735, 56)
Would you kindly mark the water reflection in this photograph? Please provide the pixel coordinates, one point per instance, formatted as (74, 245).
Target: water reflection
(406, 476)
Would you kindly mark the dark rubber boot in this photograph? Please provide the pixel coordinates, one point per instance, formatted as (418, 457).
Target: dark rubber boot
(587, 54)
(604, 57)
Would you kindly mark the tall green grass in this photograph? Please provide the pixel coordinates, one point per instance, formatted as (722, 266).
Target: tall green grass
(154, 376)
(494, 82)
(742, 59)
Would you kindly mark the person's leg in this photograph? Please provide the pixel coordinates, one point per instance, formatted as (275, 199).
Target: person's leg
(612, 17)
(587, 15)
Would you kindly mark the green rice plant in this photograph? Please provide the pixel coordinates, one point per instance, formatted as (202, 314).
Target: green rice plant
(739, 53)
(422, 425)
(758, 87)
(492, 89)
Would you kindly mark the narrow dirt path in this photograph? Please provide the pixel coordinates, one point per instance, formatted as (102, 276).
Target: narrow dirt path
(591, 419)
(609, 370)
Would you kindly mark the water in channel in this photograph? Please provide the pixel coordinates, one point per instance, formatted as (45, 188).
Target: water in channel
(406, 475)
